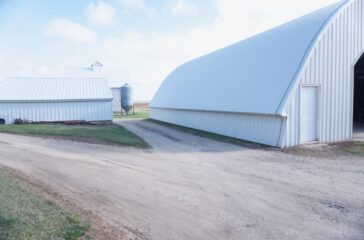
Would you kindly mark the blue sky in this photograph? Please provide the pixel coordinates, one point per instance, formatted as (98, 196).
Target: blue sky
(146, 38)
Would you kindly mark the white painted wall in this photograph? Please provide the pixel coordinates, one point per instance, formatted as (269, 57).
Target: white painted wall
(330, 66)
(116, 101)
(264, 129)
(56, 111)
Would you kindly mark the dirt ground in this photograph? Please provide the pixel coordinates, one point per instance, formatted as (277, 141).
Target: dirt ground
(187, 187)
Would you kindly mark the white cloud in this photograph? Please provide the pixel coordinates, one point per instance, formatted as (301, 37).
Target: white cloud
(41, 70)
(131, 7)
(70, 31)
(184, 7)
(240, 19)
(138, 5)
(100, 13)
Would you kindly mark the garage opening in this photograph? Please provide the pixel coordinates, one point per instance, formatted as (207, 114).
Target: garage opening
(358, 110)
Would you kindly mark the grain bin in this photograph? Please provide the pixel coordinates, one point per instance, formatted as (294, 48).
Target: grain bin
(126, 98)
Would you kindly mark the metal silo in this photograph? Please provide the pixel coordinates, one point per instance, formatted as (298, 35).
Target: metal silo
(126, 98)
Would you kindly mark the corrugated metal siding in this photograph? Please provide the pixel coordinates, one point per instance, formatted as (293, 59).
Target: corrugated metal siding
(330, 66)
(116, 101)
(57, 111)
(54, 89)
(263, 129)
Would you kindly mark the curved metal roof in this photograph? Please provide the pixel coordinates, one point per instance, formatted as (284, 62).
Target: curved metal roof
(251, 76)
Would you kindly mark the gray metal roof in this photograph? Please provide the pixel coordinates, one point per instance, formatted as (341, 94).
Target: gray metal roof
(54, 89)
(251, 76)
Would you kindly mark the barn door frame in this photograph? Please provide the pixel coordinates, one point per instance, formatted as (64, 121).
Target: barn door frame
(352, 77)
(318, 112)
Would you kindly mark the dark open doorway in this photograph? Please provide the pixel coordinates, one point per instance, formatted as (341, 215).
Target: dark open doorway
(358, 111)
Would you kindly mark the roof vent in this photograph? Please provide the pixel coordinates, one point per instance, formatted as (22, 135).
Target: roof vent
(96, 65)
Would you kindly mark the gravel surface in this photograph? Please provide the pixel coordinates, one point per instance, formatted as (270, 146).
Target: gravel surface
(188, 187)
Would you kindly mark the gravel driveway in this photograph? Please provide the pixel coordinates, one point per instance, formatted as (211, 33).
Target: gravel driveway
(188, 187)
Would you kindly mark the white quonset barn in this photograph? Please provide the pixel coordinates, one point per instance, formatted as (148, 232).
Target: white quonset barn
(285, 87)
(55, 99)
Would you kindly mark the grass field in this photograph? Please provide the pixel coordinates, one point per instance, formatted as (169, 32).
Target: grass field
(355, 148)
(113, 134)
(24, 215)
(138, 114)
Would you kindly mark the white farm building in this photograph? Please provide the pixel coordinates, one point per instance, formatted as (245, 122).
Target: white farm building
(300, 82)
(115, 77)
(55, 99)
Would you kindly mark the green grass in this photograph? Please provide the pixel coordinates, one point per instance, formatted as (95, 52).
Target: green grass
(209, 135)
(113, 134)
(355, 148)
(24, 215)
(138, 114)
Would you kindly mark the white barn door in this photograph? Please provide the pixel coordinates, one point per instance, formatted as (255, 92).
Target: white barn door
(309, 114)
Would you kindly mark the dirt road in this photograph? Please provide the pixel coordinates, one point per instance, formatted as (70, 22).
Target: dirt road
(188, 187)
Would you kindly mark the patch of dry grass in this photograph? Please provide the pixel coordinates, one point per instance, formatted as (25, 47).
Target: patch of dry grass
(355, 148)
